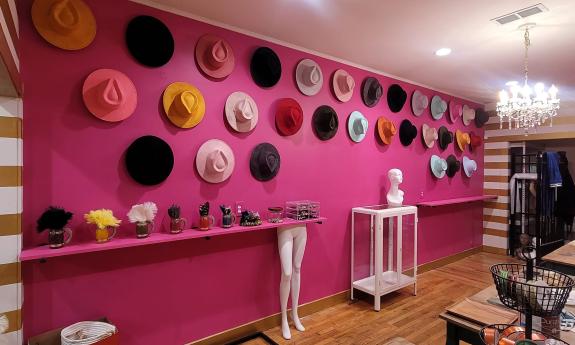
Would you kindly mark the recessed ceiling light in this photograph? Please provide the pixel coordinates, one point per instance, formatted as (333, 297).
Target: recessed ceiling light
(443, 51)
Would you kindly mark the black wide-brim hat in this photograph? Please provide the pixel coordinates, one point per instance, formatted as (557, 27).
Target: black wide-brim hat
(407, 132)
(265, 67)
(445, 137)
(149, 160)
(371, 91)
(453, 165)
(265, 162)
(481, 117)
(396, 97)
(149, 41)
(325, 122)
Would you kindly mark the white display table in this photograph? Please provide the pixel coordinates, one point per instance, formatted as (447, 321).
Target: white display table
(400, 222)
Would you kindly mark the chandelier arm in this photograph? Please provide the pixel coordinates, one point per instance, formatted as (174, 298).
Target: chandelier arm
(527, 43)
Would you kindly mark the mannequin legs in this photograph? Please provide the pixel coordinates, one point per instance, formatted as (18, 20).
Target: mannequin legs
(291, 245)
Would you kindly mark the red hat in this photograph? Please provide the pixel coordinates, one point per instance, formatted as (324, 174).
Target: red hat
(289, 116)
(476, 140)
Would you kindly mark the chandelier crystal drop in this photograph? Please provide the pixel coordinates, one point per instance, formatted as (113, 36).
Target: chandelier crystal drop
(526, 107)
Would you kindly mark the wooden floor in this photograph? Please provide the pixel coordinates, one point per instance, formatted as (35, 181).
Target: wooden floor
(414, 318)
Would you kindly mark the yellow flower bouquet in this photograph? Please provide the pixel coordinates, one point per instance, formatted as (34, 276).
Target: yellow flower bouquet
(103, 219)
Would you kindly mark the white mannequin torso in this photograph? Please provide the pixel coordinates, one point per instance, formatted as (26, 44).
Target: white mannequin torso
(395, 195)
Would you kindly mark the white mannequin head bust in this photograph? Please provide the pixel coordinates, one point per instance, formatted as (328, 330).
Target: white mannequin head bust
(395, 195)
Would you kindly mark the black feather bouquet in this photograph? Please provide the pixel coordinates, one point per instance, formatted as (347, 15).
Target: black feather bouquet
(53, 218)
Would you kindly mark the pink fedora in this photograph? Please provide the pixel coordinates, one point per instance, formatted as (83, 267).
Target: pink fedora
(455, 111)
(215, 56)
(241, 112)
(215, 161)
(343, 85)
(428, 135)
(109, 95)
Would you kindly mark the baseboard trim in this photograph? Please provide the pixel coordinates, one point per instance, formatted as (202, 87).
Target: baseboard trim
(494, 250)
(272, 321)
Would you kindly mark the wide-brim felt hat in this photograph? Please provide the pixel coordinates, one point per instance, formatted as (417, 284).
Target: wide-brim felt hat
(325, 122)
(149, 41)
(343, 85)
(407, 132)
(475, 140)
(215, 161)
(66, 24)
(462, 139)
(396, 97)
(289, 116)
(445, 137)
(357, 126)
(184, 104)
(438, 107)
(428, 135)
(468, 115)
(438, 166)
(455, 111)
(149, 160)
(453, 165)
(371, 91)
(308, 77)
(481, 117)
(469, 166)
(265, 67)
(385, 129)
(264, 162)
(241, 112)
(109, 95)
(419, 102)
(215, 56)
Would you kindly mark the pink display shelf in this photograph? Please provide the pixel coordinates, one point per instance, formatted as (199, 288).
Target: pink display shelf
(456, 200)
(45, 252)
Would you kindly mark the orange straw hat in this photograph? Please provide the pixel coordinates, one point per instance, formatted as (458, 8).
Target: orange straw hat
(66, 24)
(463, 139)
(184, 104)
(386, 130)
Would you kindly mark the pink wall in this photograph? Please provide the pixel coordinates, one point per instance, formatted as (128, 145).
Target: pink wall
(173, 293)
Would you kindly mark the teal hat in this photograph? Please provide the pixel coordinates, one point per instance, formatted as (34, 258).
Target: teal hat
(438, 166)
(357, 125)
(438, 107)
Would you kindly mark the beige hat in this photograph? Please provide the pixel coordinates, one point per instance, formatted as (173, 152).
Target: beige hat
(309, 77)
(428, 135)
(241, 112)
(468, 115)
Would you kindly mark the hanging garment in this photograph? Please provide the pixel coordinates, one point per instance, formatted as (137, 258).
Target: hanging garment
(553, 169)
(565, 207)
(514, 195)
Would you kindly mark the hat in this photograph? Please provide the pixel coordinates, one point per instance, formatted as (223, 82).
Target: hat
(308, 77)
(215, 56)
(468, 115)
(407, 132)
(475, 140)
(469, 166)
(371, 91)
(289, 116)
(455, 111)
(419, 102)
(481, 117)
(357, 126)
(343, 85)
(445, 137)
(66, 24)
(453, 165)
(264, 162)
(149, 160)
(386, 130)
(149, 41)
(241, 112)
(265, 67)
(438, 166)
(428, 135)
(183, 104)
(438, 107)
(325, 122)
(462, 139)
(215, 161)
(396, 97)
(109, 95)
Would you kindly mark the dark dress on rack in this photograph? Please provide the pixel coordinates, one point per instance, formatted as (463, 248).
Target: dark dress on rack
(565, 206)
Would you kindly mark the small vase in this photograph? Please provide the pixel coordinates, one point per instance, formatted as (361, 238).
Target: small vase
(57, 237)
(144, 229)
(104, 235)
(206, 222)
(177, 225)
(228, 220)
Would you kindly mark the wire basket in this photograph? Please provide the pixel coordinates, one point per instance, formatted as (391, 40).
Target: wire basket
(544, 295)
(509, 334)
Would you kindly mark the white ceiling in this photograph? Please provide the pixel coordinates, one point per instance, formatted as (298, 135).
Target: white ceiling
(400, 37)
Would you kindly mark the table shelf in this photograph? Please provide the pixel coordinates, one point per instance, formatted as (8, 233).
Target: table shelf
(436, 203)
(44, 252)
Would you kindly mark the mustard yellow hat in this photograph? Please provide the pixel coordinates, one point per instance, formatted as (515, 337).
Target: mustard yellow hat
(184, 104)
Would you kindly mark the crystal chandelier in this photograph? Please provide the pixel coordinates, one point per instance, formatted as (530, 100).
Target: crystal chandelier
(521, 108)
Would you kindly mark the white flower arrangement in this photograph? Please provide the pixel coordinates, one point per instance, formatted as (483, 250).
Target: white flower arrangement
(141, 213)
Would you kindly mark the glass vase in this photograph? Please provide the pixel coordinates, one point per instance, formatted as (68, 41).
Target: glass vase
(57, 238)
(177, 225)
(144, 229)
(105, 234)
